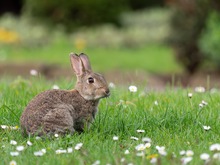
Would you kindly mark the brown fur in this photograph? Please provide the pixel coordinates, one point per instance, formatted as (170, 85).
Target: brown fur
(63, 111)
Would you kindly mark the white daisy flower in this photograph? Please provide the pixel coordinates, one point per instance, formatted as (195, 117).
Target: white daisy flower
(14, 153)
(56, 135)
(13, 142)
(20, 148)
(43, 150)
(60, 151)
(127, 152)
(204, 156)
(201, 105)
(13, 127)
(146, 140)
(140, 154)
(214, 147)
(33, 72)
(78, 146)
(38, 153)
(153, 161)
(111, 85)
(216, 156)
(140, 131)
(204, 102)
(115, 138)
(134, 138)
(29, 143)
(199, 89)
(69, 150)
(132, 88)
(38, 138)
(189, 153)
(13, 162)
(140, 147)
(156, 102)
(183, 152)
(186, 160)
(190, 95)
(4, 126)
(161, 150)
(206, 128)
(97, 162)
(55, 87)
(122, 160)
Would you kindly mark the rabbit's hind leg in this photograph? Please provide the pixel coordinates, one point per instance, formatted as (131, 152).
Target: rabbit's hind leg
(58, 120)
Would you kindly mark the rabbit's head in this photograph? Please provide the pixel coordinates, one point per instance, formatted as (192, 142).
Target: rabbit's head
(90, 85)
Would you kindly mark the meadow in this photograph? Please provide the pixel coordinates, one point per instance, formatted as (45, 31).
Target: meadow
(176, 126)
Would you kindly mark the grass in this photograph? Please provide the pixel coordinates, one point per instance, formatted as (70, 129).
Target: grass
(153, 58)
(176, 123)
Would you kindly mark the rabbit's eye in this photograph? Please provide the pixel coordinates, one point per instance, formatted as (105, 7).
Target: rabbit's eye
(90, 80)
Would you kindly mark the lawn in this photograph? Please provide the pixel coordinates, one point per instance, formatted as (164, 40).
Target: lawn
(154, 58)
(170, 119)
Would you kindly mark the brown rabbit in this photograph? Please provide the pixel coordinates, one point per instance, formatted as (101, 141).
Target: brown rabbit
(66, 111)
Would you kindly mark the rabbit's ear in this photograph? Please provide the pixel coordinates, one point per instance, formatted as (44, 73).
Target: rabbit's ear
(77, 64)
(85, 61)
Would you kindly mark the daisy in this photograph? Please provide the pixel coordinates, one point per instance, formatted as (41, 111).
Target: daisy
(200, 89)
(201, 105)
(140, 154)
(13, 162)
(156, 102)
(134, 138)
(38, 153)
(38, 138)
(43, 150)
(189, 153)
(13, 142)
(29, 143)
(146, 140)
(140, 147)
(204, 102)
(132, 88)
(14, 153)
(115, 138)
(55, 87)
(140, 131)
(122, 160)
(127, 152)
(183, 152)
(111, 85)
(78, 146)
(186, 160)
(4, 126)
(204, 156)
(69, 150)
(161, 150)
(216, 156)
(33, 72)
(190, 95)
(206, 128)
(20, 148)
(214, 147)
(153, 161)
(60, 151)
(97, 162)
(56, 135)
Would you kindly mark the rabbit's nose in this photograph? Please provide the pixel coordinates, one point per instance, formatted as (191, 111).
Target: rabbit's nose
(107, 92)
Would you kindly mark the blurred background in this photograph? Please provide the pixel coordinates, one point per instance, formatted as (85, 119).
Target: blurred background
(156, 43)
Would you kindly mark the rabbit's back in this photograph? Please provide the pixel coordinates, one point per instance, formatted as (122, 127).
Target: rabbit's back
(57, 111)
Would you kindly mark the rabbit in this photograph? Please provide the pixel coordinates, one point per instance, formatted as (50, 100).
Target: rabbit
(66, 111)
